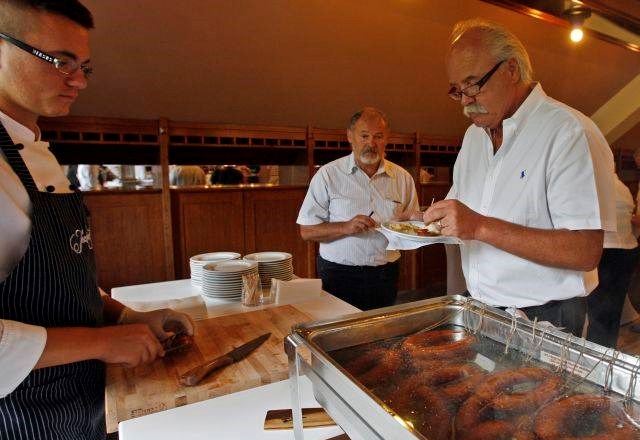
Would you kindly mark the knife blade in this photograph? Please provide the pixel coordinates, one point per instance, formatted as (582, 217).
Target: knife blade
(195, 375)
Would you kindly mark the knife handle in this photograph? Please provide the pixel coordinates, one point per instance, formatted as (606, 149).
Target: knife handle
(283, 418)
(195, 375)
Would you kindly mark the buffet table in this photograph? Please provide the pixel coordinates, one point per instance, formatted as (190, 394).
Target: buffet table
(234, 416)
(212, 416)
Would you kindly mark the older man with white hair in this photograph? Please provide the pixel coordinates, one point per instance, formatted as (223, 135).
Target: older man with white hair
(532, 186)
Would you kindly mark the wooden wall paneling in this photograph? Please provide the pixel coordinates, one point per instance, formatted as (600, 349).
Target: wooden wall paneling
(431, 260)
(400, 150)
(167, 225)
(408, 279)
(409, 267)
(206, 221)
(416, 155)
(432, 265)
(125, 228)
(203, 143)
(270, 224)
(429, 191)
(329, 144)
(96, 140)
(311, 145)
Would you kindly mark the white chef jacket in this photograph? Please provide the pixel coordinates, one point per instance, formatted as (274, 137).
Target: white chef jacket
(21, 345)
(554, 170)
(340, 190)
(623, 238)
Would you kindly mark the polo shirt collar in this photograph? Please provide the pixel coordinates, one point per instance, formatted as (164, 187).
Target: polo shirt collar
(384, 167)
(528, 106)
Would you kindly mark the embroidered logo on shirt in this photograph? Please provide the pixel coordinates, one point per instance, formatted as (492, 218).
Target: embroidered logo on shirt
(523, 174)
(79, 238)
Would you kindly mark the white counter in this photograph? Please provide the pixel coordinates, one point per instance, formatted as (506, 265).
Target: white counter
(234, 416)
(237, 416)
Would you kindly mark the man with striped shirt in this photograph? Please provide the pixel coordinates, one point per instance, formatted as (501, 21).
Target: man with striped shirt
(345, 200)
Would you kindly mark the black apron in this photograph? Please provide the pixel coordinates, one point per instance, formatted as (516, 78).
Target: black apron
(54, 285)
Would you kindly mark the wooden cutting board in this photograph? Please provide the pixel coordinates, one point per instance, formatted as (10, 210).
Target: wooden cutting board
(135, 392)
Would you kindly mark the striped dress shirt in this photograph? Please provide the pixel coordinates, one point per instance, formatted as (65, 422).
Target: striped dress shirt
(340, 190)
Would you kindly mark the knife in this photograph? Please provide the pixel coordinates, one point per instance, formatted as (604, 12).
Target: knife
(195, 375)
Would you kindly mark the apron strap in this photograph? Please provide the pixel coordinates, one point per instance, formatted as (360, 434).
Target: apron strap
(15, 160)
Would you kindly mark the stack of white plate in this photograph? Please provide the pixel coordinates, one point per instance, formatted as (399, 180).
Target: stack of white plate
(278, 265)
(198, 261)
(224, 280)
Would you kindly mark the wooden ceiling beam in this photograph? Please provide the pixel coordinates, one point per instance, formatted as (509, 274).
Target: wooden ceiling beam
(620, 113)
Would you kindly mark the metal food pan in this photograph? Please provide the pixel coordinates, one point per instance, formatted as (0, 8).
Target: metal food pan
(364, 416)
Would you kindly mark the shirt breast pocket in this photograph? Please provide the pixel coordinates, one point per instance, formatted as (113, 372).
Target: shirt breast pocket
(390, 209)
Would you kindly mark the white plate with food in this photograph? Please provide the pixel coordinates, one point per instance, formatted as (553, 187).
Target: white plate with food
(413, 230)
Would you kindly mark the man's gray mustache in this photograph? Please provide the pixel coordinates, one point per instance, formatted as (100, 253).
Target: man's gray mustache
(474, 108)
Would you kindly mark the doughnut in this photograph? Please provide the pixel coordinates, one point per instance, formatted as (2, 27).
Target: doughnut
(497, 430)
(495, 411)
(455, 382)
(427, 411)
(584, 416)
(388, 364)
(440, 344)
(364, 362)
(375, 366)
(498, 389)
(474, 422)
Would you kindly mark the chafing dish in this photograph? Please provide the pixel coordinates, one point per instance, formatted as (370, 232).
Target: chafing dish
(511, 341)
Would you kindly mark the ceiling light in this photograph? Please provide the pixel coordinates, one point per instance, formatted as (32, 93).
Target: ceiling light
(576, 15)
(576, 35)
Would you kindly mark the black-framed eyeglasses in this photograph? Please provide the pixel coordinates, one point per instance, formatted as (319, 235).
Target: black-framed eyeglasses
(473, 89)
(64, 65)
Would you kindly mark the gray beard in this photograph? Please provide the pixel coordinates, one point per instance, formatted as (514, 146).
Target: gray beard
(368, 160)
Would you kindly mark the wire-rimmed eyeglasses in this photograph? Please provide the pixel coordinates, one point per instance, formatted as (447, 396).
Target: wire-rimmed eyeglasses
(64, 65)
(473, 89)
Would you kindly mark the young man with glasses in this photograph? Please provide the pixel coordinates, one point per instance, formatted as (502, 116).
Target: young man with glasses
(57, 329)
(532, 186)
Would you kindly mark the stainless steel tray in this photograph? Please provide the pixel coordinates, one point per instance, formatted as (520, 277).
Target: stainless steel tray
(363, 416)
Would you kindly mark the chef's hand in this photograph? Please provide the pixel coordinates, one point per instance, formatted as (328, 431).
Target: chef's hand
(163, 322)
(358, 224)
(455, 219)
(130, 345)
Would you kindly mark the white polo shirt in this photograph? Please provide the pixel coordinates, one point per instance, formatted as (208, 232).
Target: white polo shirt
(554, 170)
(340, 190)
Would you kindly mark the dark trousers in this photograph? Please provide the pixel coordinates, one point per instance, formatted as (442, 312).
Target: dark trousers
(364, 287)
(568, 315)
(607, 300)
